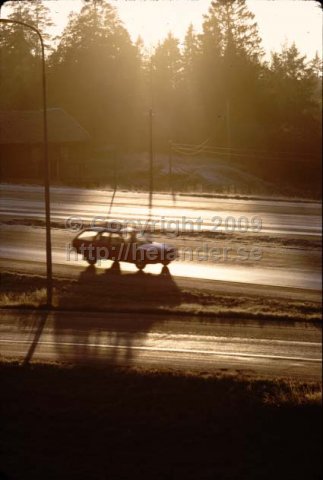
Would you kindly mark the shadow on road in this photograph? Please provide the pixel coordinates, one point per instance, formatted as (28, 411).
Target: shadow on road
(37, 330)
(128, 304)
(122, 290)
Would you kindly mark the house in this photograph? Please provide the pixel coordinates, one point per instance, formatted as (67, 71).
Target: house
(22, 150)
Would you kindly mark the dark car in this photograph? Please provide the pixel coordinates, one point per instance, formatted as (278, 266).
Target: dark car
(125, 245)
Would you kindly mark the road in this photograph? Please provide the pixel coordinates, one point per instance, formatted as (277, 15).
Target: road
(274, 349)
(265, 216)
(289, 267)
(293, 266)
(293, 269)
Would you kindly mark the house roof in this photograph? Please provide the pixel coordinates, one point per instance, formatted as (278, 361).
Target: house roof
(27, 127)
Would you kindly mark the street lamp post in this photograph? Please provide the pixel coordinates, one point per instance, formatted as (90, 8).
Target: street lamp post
(151, 146)
(49, 289)
(151, 162)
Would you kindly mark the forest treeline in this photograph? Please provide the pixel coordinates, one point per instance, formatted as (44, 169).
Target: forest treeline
(216, 85)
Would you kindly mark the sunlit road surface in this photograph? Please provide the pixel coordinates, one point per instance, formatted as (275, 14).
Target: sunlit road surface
(163, 342)
(202, 270)
(287, 218)
(282, 217)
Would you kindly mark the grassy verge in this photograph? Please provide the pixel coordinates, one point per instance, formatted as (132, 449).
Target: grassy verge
(150, 294)
(92, 423)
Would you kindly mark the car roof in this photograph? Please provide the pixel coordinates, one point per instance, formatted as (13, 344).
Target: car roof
(100, 230)
(94, 229)
(112, 229)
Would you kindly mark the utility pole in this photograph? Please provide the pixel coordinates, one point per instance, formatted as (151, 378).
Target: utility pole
(170, 166)
(49, 289)
(228, 123)
(229, 51)
(151, 161)
(151, 150)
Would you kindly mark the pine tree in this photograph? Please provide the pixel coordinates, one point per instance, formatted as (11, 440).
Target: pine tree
(21, 55)
(293, 104)
(192, 113)
(166, 81)
(167, 63)
(191, 51)
(94, 72)
(231, 54)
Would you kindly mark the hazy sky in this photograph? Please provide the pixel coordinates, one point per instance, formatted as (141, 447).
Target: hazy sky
(278, 20)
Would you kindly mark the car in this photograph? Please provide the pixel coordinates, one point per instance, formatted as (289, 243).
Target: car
(122, 245)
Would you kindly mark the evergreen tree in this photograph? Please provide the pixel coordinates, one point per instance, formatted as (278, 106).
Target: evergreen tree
(167, 64)
(231, 54)
(193, 120)
(293, 104)
(94, 73)
(20, 52)
(166, 81)
(191, 51)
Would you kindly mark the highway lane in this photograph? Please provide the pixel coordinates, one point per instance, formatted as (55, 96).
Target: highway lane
(75, 272)
(237, 274)
(215, 214)
(287, 268)
(275, 349)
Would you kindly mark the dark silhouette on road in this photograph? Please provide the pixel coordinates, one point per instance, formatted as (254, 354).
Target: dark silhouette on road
(134, 294)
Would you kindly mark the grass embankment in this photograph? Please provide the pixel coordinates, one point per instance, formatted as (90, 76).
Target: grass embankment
(115, 292)
(79, 423)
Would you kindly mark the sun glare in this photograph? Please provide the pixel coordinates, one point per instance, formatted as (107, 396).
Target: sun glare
(279, 21)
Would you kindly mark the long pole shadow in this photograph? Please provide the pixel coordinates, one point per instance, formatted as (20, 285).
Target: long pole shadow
(112, 200)
(115, 187)
(38, 333)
